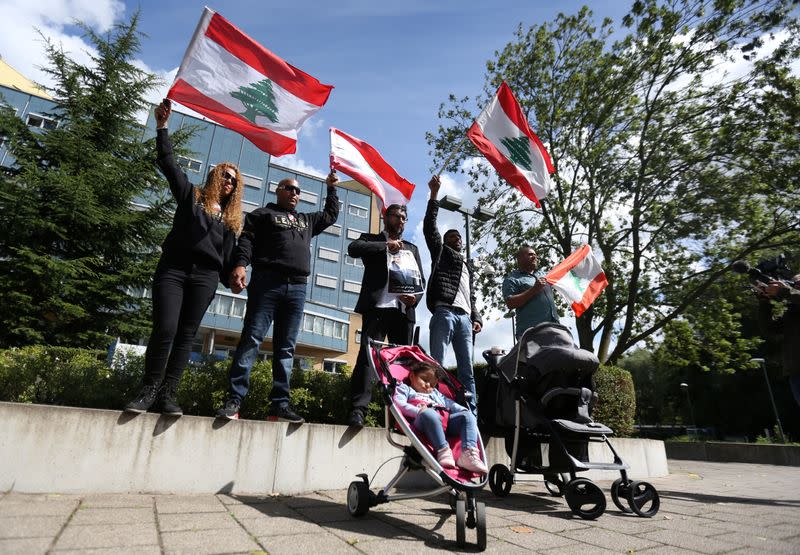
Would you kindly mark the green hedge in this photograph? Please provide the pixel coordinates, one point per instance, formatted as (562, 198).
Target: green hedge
(616, 403)
(82, 378)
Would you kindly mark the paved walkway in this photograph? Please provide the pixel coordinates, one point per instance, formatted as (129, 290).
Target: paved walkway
(705, 508)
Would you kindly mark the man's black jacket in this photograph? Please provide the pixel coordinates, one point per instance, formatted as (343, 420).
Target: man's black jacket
(446, 267)
(371, 249)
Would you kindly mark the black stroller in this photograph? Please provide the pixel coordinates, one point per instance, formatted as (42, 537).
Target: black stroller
(541, 393)
(389, 362)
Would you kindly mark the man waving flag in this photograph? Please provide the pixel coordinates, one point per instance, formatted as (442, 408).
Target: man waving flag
(363, 163)
(579, 278)
(502, 134)
(231, 79)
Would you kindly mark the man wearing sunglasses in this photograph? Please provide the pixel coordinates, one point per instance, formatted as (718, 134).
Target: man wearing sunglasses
(385, 314)
(276, 242)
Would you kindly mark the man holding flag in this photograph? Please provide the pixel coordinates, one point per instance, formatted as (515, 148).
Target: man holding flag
(527, 291)
(276, 241)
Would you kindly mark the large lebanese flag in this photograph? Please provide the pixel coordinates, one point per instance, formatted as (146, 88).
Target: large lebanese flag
(363, 163)
(502, 134)
(579, 278)
(231, 79)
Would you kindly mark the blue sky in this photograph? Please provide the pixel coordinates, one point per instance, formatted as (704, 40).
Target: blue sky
(391, 63)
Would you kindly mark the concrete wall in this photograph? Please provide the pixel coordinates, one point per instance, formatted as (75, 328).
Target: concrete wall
(66, 450)
(757, 453)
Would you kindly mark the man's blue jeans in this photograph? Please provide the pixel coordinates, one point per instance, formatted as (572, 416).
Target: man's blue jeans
(448, 326)
(269, 298)
(462, 424)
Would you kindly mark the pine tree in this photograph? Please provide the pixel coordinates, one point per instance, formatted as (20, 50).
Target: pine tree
(74, 247)
(258, 99)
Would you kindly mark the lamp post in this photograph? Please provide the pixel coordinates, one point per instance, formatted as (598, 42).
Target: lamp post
(685, 387)
(453, 204)
(761, 362)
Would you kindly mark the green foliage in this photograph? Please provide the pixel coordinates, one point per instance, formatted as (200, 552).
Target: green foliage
(616, 403)
(74, 247)
(82, 378)
(667, 168)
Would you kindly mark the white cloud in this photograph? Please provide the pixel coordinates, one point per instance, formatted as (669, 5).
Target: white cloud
(23, 47)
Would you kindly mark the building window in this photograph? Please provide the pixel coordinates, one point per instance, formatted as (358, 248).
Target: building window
(351, 286)
(354, 233)
(331, 230)
(333, 366)
(326, 281)
(358, 211)
(40, 121)
(353, 261)
(248, 206)
(251, 181)
(318, 324)
(190, 164)
(228, 305)
(308, 323)
(329, 254)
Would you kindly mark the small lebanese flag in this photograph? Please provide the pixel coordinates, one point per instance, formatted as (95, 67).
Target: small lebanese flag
(580, 279)
(231, 79)
(502, 134)
(363, 163)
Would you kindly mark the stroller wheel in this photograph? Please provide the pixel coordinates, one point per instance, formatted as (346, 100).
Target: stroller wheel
(619, 489)
(643, 499)
(358, 498)
(500, 480)
(585, 499)
(461, 522)
(480, 523)
(554, 485)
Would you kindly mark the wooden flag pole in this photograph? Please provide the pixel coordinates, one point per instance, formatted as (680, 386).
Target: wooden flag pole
(452, 154)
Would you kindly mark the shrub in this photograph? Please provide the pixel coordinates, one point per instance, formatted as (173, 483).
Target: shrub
(616, 403)
(82, 378)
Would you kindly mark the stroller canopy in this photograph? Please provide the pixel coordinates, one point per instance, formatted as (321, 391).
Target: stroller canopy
(548, 347)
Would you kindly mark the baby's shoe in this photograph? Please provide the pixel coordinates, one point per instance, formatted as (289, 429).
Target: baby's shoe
(445, 458)
(470, 459)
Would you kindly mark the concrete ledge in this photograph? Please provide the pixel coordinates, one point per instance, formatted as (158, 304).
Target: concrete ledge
(712, 451)
(75, 450)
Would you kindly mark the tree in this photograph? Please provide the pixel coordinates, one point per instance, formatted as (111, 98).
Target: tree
(667, 168)
(74, 246)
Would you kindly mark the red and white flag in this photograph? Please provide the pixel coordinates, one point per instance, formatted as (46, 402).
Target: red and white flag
(231, 79)
(579, 278)
(363, 163)
(502, 134)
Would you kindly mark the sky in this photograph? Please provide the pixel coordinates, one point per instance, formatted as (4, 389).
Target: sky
(391, 63)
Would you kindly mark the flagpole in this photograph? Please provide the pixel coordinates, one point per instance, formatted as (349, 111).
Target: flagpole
(452, 154)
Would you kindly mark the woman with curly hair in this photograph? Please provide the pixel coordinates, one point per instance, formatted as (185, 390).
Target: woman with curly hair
(195, 257)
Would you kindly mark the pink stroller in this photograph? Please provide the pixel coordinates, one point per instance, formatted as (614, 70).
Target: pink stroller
(388, 362)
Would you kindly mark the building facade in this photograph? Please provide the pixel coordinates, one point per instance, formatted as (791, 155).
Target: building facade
(330, 335)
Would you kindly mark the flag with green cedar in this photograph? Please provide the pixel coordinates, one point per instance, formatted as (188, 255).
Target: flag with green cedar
(502, 134)
(231, 79)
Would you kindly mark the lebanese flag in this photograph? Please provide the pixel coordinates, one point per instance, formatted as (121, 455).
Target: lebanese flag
(502, 134)
(363, 163)
(580, 279)
(231, 79)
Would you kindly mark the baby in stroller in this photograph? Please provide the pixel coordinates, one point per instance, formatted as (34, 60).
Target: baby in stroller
(437, 417)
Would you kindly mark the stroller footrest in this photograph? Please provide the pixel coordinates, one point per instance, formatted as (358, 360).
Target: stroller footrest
(591, 428)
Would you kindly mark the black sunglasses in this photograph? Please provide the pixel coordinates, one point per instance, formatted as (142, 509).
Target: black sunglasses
(291, 189)
(232, 178)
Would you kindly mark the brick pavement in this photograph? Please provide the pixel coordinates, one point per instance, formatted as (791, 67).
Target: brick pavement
(705, 508)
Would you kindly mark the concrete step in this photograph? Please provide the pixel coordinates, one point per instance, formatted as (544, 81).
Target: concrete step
(76, 450)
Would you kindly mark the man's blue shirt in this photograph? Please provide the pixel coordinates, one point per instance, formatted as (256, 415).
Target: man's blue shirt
(539, 309)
